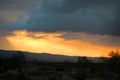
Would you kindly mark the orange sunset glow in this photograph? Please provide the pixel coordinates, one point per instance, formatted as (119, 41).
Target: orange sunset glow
(59, 39)
(52, 43)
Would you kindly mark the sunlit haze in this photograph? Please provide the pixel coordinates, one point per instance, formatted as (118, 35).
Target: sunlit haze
(53, 43)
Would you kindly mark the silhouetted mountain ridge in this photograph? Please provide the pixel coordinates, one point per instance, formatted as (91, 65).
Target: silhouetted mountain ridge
(47, 57)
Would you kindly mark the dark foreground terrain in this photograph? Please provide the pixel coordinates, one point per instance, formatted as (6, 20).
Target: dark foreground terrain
(17, 67)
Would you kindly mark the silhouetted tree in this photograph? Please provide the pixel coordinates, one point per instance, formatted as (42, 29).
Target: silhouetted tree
(114, 57)
(83, 60)
(115, 61)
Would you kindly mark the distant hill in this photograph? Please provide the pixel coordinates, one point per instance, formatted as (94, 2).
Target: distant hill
(47, 57)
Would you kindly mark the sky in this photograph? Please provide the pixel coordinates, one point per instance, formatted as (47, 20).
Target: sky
(67, 27)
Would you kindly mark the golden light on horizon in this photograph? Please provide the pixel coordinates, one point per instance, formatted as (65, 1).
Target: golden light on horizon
(52, 43)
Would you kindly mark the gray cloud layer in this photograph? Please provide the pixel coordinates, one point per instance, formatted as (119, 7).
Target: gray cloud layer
(92, 16)
(105, 40)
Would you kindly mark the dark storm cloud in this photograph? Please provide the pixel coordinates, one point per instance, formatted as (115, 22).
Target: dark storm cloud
(93, 16)
(61, 5)
(12, 5)
(11, 9)
(73, 5)
(18, 4)
(2, 21)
